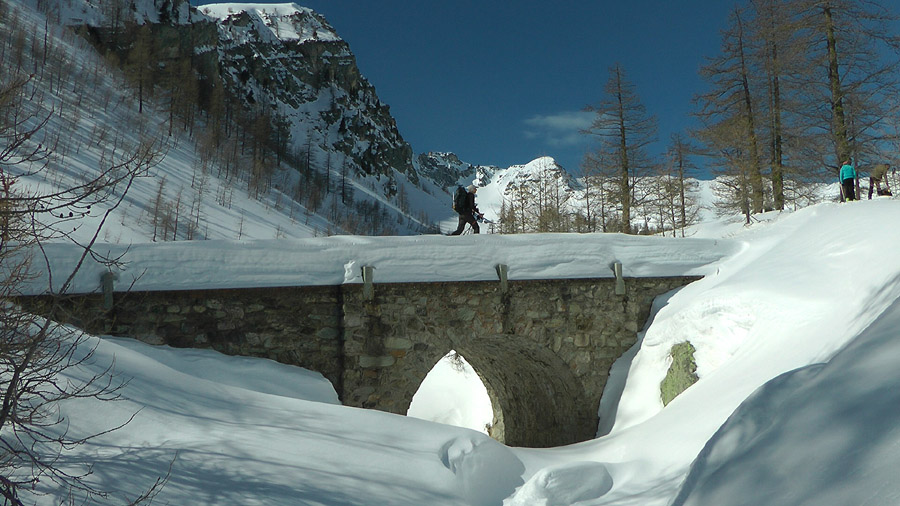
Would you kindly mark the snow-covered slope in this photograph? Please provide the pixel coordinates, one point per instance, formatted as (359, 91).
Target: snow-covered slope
(845, 409)
(94, 121)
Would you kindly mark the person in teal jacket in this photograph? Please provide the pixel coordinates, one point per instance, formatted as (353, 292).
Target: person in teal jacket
(848, 180)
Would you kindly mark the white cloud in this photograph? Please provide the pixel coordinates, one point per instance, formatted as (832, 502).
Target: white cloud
(561, 129)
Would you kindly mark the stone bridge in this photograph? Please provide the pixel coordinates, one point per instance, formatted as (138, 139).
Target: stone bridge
(542, 348)
(541, 333)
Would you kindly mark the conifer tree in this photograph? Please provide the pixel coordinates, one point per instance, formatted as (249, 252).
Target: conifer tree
(624, 129)
(732, 103)
(778, 49)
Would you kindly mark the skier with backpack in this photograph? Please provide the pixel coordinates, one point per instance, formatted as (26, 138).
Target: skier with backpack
(464, 205)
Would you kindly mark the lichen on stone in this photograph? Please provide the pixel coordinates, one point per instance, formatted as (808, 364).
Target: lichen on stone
(682, 372)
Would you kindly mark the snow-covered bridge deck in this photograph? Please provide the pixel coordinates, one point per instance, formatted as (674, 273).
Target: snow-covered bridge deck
(336, 260)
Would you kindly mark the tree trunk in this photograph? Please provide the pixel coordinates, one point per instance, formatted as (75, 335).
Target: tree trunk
(624, 186)
(755, 175)
(839, 122)
(777, 148)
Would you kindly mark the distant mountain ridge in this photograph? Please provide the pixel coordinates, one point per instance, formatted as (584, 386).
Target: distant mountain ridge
(448, 170)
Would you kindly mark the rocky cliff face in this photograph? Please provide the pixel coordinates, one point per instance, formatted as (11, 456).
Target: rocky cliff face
(289, 60)
(446, 169)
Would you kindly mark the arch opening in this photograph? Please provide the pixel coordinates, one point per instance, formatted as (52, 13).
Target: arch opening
(538, 400)
(453, 393)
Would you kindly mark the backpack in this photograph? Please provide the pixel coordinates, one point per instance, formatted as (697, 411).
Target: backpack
(460, 200)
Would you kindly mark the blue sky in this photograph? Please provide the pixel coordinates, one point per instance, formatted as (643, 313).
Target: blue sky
(501, 83)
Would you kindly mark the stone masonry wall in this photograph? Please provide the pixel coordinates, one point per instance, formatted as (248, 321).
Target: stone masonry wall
(294, 325)
(543, 349)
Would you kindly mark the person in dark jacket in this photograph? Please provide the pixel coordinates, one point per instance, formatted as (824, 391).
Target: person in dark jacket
(877, 175)
(468, 214)
(848, 180)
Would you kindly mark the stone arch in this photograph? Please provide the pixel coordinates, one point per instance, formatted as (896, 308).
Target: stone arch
(536, 398)
(534, 393)
(416, 367)
(543, 348)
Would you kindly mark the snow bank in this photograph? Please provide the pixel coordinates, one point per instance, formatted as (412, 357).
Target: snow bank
(824, 434)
